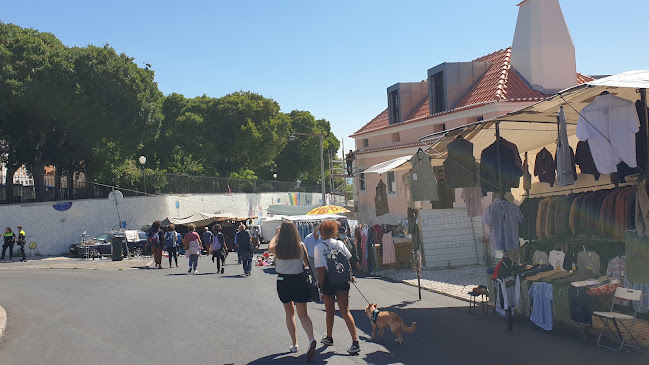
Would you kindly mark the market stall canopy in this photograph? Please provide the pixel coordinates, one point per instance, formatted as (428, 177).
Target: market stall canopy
(303, 218)
(535, 126)
(201, 219)
(328, 209)
(395, 164)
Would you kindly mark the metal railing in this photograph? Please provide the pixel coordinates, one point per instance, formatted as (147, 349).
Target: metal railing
(168, 184)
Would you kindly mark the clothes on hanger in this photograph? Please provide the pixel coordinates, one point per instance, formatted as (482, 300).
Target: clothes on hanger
(545, 167)
(610, 124)
(460, 165)
(389, 254)
(527, 177)
(540, 257)
(564, 157)
(584, 158)
(503, 218)
(381, 199)
(445, 194)
(510, 165)
(555, 258)
(472, 200)
(423, 183)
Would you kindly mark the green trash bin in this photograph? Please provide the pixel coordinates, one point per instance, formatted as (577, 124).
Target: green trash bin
(116, 242)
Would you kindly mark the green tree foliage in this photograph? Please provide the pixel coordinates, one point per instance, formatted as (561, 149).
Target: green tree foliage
(62, 105)
(92, 110)
(300, 159)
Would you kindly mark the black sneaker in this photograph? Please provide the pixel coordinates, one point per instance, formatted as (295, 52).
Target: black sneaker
(356, 348)
(327, 341)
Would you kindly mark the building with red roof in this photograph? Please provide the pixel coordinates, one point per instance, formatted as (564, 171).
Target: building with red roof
(540, 62)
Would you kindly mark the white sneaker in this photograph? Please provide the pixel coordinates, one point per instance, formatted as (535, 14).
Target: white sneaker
(293, 349)
(195, 271)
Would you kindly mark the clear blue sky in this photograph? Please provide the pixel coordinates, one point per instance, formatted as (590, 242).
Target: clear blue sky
(333, 58)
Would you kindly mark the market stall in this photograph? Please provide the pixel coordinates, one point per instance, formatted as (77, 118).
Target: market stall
(584, 233)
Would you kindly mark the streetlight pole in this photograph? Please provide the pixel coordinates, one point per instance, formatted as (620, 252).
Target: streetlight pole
(142, 160)
(322, 169)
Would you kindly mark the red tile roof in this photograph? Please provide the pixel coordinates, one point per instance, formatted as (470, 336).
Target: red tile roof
(499, 84)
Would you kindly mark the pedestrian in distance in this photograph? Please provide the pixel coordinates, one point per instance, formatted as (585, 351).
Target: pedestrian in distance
(310, 241)
(172, 241)
(193, 248)
(219, 249)
(207, 237)
(330, 255)
(21, 242)
(244, 248)
(155, 239)
(9, 240)
(292, 288)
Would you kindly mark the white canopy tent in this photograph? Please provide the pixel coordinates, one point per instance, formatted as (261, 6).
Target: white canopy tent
(203, 219)
(535, 126)
(399, 163)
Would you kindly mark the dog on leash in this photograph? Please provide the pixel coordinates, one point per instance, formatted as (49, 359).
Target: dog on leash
(383, 319)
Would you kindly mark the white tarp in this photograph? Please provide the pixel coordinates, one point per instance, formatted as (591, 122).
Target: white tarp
(391, 165)
(303, 218)
(535, 126)
(199, 219)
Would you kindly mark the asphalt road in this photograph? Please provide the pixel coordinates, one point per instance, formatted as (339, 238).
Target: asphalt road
(148, 316)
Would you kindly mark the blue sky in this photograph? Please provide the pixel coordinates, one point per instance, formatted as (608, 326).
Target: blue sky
(332, 58)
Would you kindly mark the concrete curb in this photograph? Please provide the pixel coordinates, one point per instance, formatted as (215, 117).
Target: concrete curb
(3, 321)
(427, 289)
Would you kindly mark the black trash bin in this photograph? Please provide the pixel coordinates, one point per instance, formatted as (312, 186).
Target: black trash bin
(116, 242)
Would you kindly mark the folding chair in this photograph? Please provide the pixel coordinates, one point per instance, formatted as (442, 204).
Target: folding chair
(618, 318)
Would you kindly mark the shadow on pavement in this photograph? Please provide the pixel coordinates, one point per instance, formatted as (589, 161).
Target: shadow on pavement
(269, 270)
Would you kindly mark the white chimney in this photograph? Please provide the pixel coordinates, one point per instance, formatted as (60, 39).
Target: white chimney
(542, 51)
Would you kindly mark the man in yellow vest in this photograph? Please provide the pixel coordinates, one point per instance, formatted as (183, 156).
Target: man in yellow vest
(21, 242)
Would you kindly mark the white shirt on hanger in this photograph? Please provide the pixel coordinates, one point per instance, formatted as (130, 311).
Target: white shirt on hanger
(609, 124)
(556, 259)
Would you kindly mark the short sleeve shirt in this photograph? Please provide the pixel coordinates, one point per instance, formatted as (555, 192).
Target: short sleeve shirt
(322, 248)
(310, 242)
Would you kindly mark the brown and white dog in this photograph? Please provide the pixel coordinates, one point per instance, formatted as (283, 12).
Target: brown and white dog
(383, 319)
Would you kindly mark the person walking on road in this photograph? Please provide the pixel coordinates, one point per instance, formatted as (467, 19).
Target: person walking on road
(310, 241)
(330, 291)
(155, 240)
(9, 240)
(244, 249)
(219, 250)
(172, 241)
(21, 242)
(292, 287)
(207, 237)
(193, 248)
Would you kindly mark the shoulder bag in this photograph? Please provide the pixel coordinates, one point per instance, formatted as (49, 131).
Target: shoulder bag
(314, 290)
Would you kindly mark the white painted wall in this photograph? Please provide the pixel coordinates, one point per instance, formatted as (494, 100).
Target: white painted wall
(54, 231)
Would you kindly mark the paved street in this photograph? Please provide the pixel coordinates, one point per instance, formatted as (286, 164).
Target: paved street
(144, 316)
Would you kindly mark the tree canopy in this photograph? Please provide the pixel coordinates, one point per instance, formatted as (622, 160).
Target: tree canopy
(92, 110)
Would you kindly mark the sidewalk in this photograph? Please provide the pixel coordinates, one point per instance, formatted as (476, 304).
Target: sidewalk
(75, 263)
(454, 282)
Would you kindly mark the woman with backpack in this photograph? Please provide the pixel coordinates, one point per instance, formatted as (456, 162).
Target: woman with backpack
(292, 288)
(172, 240)
(193, 248)
(155, 237)
(331, 258)
(219, 250)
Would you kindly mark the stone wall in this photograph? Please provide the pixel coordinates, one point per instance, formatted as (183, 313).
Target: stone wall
(54, 231)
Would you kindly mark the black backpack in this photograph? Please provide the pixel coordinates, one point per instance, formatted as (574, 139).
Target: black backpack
(338, 270)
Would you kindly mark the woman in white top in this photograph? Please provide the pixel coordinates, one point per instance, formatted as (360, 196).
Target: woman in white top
(290, 259)
(193, 248)
(330, 291)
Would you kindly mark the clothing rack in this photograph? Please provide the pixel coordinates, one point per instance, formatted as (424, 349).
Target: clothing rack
(550, 193)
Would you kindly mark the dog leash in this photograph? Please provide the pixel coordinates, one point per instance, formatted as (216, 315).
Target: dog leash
(368, 302)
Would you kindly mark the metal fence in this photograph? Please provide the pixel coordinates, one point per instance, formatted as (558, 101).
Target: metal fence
(171, 184)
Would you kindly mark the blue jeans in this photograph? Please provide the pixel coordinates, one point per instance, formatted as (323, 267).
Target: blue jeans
(193, 262)
(246, 259)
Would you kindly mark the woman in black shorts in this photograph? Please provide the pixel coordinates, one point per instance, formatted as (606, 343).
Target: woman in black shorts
(331, 292)
(290, 259)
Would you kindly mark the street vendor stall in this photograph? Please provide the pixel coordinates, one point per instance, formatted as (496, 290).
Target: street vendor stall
(582, 231)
